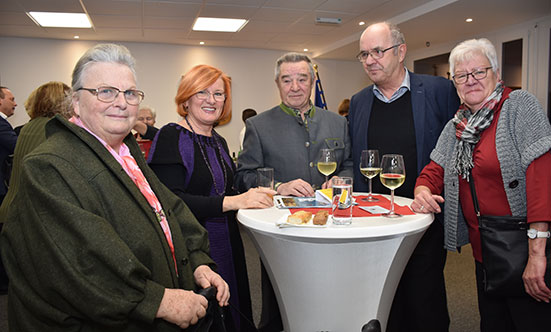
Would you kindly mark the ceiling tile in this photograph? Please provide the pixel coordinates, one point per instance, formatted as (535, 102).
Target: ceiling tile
(278, 15)
(171, 9)
(294, 4)
(116, 21)
(225, 11)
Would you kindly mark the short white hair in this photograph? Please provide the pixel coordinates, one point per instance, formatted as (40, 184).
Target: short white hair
(151, 109)
(465, 50)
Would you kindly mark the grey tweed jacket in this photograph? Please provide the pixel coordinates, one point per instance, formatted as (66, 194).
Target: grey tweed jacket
(523, 134)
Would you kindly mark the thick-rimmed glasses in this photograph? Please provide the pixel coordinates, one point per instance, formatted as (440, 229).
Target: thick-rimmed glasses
(375, 54)
(478, 74)
(108, 94)
(204, 95)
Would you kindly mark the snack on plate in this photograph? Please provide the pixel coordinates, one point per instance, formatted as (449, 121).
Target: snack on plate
(321, 217)
(299, 217)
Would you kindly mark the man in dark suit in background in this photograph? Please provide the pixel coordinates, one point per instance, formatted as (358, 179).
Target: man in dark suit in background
(404, 113)
(8, 138)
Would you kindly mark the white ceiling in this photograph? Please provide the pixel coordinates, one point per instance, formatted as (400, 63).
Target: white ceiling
(286, 25)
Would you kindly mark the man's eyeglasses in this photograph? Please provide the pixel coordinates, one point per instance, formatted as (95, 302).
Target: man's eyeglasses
(478, 74)
(375, 54)
(108, 94)
(204, 95)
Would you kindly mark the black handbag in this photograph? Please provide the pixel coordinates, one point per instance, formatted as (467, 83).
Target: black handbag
(214, 319)
(504, 251)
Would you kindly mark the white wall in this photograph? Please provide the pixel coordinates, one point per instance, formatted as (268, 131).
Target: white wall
(27, 63)
(535, 48)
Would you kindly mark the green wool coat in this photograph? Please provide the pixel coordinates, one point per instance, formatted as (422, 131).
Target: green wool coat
(83, 248)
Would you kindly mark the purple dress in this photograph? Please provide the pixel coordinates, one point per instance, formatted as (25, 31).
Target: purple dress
(181, 165)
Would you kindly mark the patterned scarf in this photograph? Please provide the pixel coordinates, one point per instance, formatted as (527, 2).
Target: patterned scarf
(469, 126)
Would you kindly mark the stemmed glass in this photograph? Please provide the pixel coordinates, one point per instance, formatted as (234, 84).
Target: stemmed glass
(370, 167)
(327, 163)
(393, 175)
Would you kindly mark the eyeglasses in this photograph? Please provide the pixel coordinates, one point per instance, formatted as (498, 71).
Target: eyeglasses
(375, 54)
(478, 74)
(204, 95)
(108, 94)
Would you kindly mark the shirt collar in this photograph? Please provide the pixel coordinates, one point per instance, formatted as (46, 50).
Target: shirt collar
(404, 87)
(4, 116)
(295, 112)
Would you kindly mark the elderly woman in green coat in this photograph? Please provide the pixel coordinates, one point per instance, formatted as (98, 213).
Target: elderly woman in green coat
(93, 240)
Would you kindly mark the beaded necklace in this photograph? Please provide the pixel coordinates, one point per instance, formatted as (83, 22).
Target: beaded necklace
(196, 138)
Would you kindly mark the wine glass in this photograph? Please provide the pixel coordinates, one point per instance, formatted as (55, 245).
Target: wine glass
(393, 175)
(370, 167)
(327, 163)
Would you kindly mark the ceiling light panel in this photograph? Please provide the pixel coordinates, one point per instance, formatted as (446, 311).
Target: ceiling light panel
(61, 20)
(219, 24)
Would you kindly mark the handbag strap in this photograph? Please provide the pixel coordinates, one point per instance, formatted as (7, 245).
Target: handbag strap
(473, 194)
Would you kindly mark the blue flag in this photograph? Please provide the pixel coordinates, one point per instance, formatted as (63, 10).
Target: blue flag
(320, 96)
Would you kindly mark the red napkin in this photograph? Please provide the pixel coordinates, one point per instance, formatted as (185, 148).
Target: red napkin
(357, 212)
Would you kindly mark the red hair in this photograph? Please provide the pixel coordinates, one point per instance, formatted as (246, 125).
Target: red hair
(200, 78)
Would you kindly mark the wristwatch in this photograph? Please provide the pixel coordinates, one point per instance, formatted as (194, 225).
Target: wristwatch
(534, 233)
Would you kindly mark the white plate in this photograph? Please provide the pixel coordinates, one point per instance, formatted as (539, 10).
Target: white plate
(282, 222)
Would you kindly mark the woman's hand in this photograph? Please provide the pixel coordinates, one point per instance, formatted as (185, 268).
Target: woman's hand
(425, 201)
(205, 277)
(181, 307)
(254, 198)
(534, 272)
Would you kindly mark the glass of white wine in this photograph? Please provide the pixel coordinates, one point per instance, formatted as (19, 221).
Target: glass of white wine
(393, 175)
(327, 163)
(370, 167)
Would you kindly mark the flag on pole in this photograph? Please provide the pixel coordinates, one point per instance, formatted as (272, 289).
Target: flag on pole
(320, 96)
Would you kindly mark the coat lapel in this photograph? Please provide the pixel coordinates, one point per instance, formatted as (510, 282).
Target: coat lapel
(419, 114)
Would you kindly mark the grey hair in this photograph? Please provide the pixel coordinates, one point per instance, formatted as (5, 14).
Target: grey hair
(396, 35)
(467, 49)
(294, 57)
(2, 94)
(151, 109)
(112, 53)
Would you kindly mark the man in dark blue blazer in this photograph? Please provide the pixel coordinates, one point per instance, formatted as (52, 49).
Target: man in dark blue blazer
(8, 138)
(404, 113)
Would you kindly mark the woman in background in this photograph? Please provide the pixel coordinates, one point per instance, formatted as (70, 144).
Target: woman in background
(192, 159)
(43, 103)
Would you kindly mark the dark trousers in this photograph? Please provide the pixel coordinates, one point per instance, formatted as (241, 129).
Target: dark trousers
(270, 317)
(510, 314)
(420, 303)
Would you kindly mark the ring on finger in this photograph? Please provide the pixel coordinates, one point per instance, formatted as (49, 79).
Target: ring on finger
(422, 208)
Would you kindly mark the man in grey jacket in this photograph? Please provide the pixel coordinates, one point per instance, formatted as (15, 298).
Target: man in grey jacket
(288, 138)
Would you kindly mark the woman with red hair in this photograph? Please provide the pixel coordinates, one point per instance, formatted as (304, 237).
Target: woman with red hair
(192, 159)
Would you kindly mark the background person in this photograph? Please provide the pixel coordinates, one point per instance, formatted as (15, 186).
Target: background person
(116, 250)
(8, 139)
(503, 138)
(247, 113)
(145, 130)
(343, 108)
(43, 103)
(192, 159)
(404, 113)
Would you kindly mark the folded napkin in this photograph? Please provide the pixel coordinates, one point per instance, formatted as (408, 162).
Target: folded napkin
(357, 212)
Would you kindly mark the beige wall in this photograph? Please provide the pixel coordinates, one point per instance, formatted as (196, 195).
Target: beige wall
(535, 53)
(26, 63)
